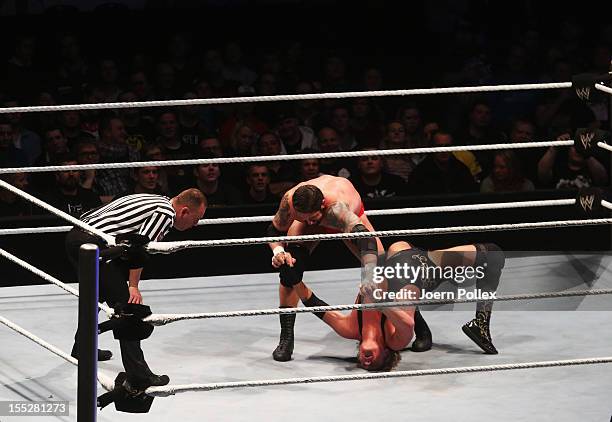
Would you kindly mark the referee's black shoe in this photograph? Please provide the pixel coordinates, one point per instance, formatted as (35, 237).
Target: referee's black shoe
(102, 354)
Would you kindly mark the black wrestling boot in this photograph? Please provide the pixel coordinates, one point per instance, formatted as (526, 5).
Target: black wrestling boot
(284, 350)
(478, 328)
(152, 380)
(102, 354)
(422, 341)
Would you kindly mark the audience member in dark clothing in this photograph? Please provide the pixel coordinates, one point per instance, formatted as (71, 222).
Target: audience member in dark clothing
(258, 182)
(145, 180)
(55, 143)
(566, 168)
(372, 182)
(217, 192)
(330, 142)
(282, 173)
(507, 175)
(9, 155)
(67, 194)
(12, 205)
(309, 168)
(441, 172)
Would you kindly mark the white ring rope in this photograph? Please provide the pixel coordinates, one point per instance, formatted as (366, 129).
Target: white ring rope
(369, 213)
(288, 157)
(174, 389)
(302, 156)
(103, 379)
(75, 221)
(163, 319)
(606, 204)
(603, 88)
(604, 146)
(47, 277)
(170, 247)
(292, 97)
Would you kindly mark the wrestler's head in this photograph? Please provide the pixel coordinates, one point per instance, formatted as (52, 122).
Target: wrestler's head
(190, 206)
(308, 203)
(375, 356)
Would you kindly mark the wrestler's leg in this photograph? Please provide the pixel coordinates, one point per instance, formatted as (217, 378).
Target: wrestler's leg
(345, 325)
(287, 296)
(488, 259)
(423, 340)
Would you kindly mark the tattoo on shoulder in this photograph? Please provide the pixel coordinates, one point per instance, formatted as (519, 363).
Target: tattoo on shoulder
(339, 216)
(282, 219)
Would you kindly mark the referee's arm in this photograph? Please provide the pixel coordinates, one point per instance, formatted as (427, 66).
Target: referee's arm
(155, 227)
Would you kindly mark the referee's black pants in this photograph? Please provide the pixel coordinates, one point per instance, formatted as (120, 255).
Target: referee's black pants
(113, 289)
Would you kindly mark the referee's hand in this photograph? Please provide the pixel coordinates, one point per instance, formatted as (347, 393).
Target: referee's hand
(135, 296)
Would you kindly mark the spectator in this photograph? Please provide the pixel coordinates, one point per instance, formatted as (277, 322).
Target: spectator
(21, 77)
(372, 182)
(190, 126)
(395, 138)
(108, 80)
(234, 69)
(217, 192)
(24, 139)
(282, 173)
(523, 130)
(145, 180)
(294, 137)
(480, 131)
(72, 71)
(309, 167)
(258, 181)
(366, 122)
(170, 137)
(507, 175)
(329, 142)
(139, 85)
(410, 116)
(112, 149)
(441, 172)
(334, 78)
(10, 156)
(139, 128)
(566, 168)
(211, 146)
(466, 157)
(165, 82)
(67, 194)
(242, 141)
(70, 122)
(12, 205)
(154, 152)
(55, 144)
(307, 110)
(87, 153)
(341, 123)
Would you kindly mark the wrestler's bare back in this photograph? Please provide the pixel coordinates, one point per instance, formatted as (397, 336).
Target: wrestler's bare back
(335, 189)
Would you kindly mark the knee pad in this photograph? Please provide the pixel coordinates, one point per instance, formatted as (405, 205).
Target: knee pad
(290, 276)
(492, 258)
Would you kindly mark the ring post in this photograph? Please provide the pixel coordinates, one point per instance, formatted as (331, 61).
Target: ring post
(88, 333)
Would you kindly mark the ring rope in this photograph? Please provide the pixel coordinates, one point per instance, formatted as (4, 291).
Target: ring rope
(174, 389)
(606, 204)
(47, 277)
(287, 157)
(75, 221)
(163, 319)
(169, 247)
(604, 146)
(103, 379)
(603, 88)
(369, 213)
(292, 97)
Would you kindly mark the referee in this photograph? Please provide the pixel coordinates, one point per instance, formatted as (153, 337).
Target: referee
(144, 214)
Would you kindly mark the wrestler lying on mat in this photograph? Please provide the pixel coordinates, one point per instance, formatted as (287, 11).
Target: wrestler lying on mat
(383, 333)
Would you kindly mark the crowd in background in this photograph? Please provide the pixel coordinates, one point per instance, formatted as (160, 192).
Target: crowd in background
(187, 68)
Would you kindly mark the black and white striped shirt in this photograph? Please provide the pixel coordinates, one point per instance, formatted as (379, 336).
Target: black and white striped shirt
(146, 214)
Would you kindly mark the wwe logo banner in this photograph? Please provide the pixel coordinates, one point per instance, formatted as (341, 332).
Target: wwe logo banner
(583, 93)
(586, 139)
(587, 201)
